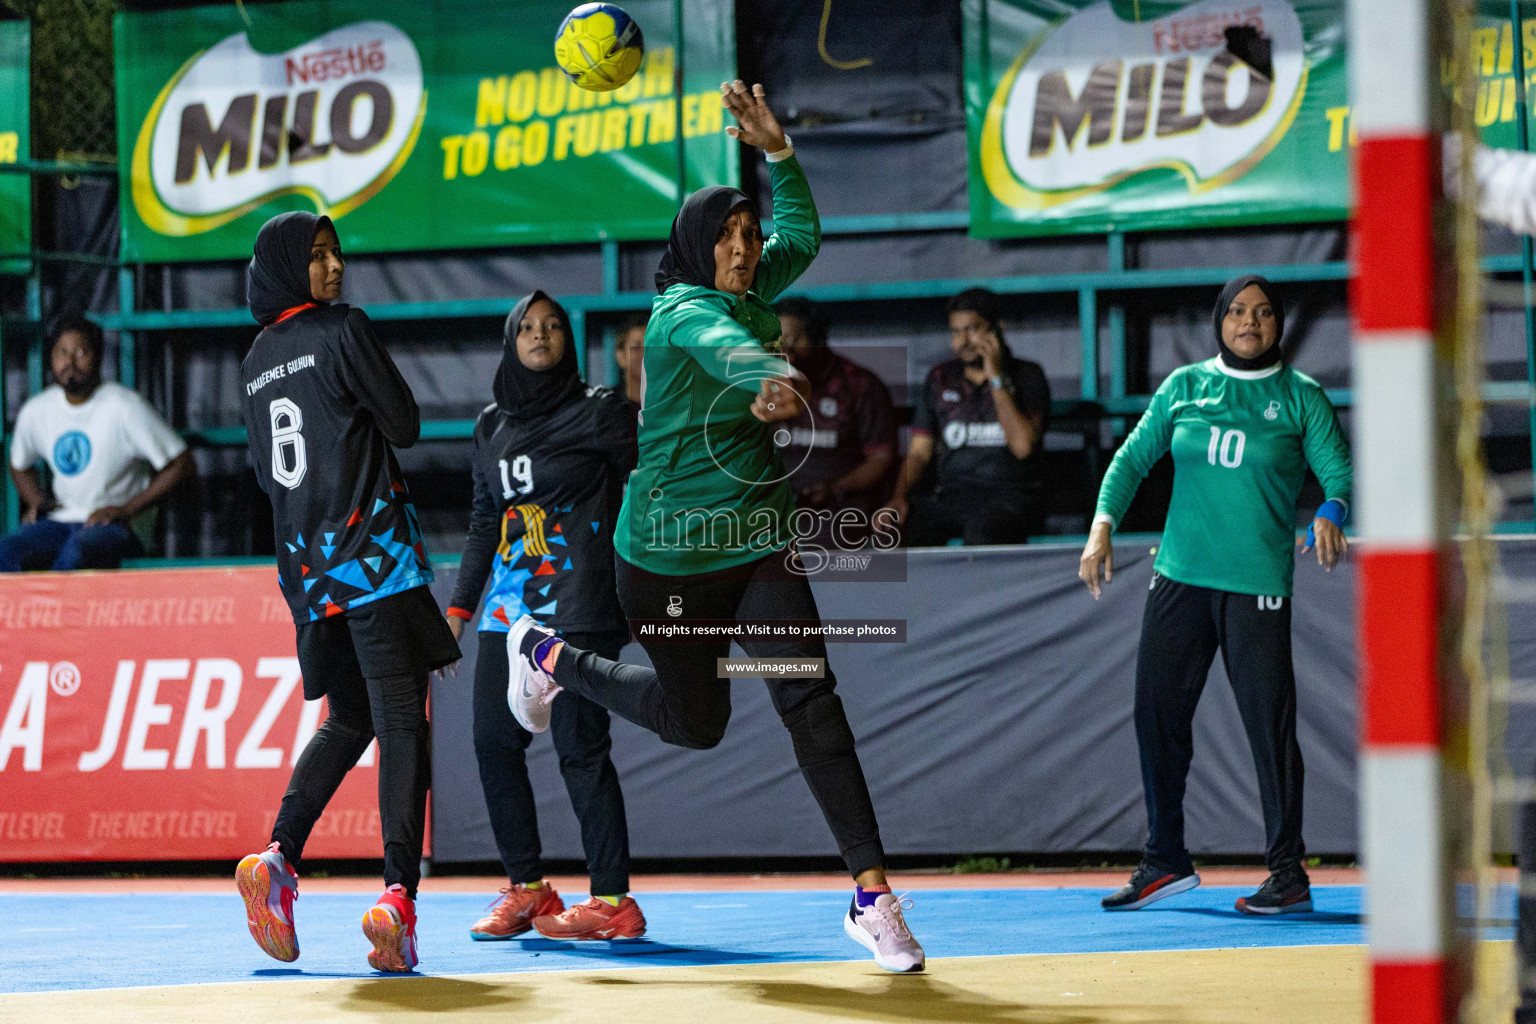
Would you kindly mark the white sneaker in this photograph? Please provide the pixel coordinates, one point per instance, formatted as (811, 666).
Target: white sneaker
(530, 690)
(882, 930)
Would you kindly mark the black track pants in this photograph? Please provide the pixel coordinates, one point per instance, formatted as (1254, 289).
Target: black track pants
(394, 709)
(683, 702)
(1525, 933)
(580, 731)
(1181, 631)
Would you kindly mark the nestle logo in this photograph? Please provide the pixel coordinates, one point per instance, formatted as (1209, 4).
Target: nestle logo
(336, 62)
(1206, 32)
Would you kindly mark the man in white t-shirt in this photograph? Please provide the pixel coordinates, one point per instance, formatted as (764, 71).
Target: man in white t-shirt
(112, 459)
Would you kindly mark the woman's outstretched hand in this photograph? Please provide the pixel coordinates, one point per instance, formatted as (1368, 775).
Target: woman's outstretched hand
(1098, 555)
(755, 124)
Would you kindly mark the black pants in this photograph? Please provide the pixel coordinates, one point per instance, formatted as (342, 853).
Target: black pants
(580, 731)
(1181, 631)
(372, 664)
(1525, 932)
(975, 515)
(683, 702)
(393, 709)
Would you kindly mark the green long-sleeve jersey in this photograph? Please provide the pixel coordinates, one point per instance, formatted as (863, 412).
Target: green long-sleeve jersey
(1241, 443)
(710, 491)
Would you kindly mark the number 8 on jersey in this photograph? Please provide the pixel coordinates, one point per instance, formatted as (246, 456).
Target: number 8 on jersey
(288, 460)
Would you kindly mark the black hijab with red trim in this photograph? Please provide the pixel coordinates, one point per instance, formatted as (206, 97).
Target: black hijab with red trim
(277, 279)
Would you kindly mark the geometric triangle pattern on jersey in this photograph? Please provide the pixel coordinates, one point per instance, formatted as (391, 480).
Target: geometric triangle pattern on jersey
(330, 538)
(501, 613)
(374, 562)
(309, 585)
(555, 539)
(379, 504)
(544, 590)
(351, 573)
(567, 564)
(291, 549)
(548, 609)
(328, 549)
(300, 540)
(546, 568)
(596, 526)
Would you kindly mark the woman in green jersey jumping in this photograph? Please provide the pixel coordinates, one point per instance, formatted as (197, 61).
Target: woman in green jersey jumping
(1243, 427)
(704, 532)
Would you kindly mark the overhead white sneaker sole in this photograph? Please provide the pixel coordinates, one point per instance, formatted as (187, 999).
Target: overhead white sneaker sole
(526, 684)
(904, 965)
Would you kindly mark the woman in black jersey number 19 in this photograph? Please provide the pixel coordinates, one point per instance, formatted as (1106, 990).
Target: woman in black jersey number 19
(703, 532)
(550, 458)
(1243, 427)
(323, 403)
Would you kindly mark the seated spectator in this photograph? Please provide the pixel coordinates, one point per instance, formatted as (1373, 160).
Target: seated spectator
(842, 447)
(101, 441)
(982, 417)
(629, 350)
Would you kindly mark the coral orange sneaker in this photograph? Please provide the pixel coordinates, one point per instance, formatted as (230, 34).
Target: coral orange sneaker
(595, 919)
(390, 925)
(269, 886)
(513, 913)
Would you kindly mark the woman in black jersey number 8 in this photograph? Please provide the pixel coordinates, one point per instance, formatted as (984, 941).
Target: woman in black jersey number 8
(1243, 427)
(323, 405)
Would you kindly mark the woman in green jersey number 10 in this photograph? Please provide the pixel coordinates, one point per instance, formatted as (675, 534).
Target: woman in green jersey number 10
(1243, 427)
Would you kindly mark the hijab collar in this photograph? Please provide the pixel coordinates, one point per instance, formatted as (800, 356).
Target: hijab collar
(1270, 356)
(277, 279)
(525, 394)
(690, 255)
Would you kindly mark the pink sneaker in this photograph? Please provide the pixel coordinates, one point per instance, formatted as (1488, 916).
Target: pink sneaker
(882, 930)
(269, 886)
(390, 925)
(530, 690)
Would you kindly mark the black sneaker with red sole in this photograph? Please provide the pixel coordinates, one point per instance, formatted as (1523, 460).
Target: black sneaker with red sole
(1284, 892)
(1149, 884)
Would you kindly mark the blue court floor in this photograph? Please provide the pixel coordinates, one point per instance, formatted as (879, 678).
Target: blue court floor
(56, 942)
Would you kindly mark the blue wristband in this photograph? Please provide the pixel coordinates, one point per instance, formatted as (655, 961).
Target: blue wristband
(1332, 510)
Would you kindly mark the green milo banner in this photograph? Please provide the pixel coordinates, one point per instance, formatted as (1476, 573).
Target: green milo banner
(15, 145)
(423, 125)
(1100, 115)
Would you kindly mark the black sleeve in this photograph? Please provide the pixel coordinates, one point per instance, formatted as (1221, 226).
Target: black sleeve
(877, 418)
(481, 540)
(923, 421)
(1031, 391)
(374, 380)
(617, 434)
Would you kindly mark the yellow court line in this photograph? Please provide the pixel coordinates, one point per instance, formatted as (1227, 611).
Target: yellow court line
(1285, 985)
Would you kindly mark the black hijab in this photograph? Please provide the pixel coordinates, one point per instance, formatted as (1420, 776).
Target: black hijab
(690, 255)
(1270, 356)
(525, 394)
(278, 277)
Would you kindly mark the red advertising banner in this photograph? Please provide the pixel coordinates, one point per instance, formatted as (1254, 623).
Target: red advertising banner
(156, 715)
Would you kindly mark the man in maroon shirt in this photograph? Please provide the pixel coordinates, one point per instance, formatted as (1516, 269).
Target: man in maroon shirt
(842, 447)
